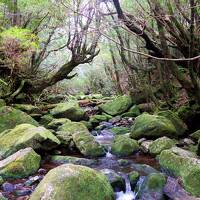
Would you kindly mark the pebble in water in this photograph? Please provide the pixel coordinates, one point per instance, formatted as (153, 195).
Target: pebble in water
(8, 187)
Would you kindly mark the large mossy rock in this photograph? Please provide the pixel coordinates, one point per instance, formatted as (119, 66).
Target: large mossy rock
(184, 165)
(134, 111)
(28, 108)
(20, 165)
(120, 130)
(10, 117)
(153, 126)
(96, 119)
(117, 106)
(163, 143)
(26, 135)
(82, 138)
(70, 110)
(180, 126)
(124, 146)
(152, 187)
(73, 182)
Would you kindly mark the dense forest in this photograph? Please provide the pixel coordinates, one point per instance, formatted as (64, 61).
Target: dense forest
(99, 99)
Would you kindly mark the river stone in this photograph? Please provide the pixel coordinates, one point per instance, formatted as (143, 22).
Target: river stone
(20, 165)
(133, 177)
(117, 106)
(70, 110)
(73, 182)
(82, 138)
(144, 168)
(180, 126)
(26, 135)
(120, 130)
(116, 181)
(183, 165)
(152, 126)
(163, 143)
(72, 160)
(10, 117)
(152, 187)
(144, 146)
(124, 146)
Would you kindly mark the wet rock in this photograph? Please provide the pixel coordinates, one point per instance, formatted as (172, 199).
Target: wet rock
(163, 143)
(133, 178)
(2, 197)
(33, 180)
(152, 187)
(42, 171)
(120, 130)
(117, 106)
(10, 117)
(20, 165)
(96, 119)
(187, 141)
(26, 135)
(74, 181)
(183, 164)
(8, 187)
(72, 160)
(23, 192)
(18, 186)
(143, 168)
(123, 162)
(140, 141)
(153, 126)
(124, 146)
(115, 120)
(70, 110)
(145, 145)
(116, 181)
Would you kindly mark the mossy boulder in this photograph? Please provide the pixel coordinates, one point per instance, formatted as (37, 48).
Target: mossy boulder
(134, 111)
(163, 143)
(116, 181)
(152, 126)
(133, 177)
(20, 165)
(26, 135)
(10, 117)
(2, 103)
(27, 108)
(73, 182)
(46, 119)
(120, 130)
(70, 110)
(152, 187)
(117, 106)
(82, 138)
(96, 119)
(196, 135)
(55, 123)
(180, 126)
(181, 165)
(88, 124)
(72, 160)
(124, 146)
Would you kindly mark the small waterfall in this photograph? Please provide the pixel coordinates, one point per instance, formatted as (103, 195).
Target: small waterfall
(129, 194)
(108, 154)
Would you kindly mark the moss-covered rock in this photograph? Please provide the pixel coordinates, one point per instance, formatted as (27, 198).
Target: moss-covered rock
(133, 178)
(20, 165)
(120, 130)
(180, 126)
(70, 110)
(152, 187)
(2, 103)
(96, 119)
(46, 119)
(134, 111)
(163, 143)
(72, 160)
(73, 182)
(10, 117)
(117, 106)
(184, 166)
(152, 126)
(116, 181)
(88, 124)
(124, 146)
(26, 135)
(196, 135)
(82, 138)
(55, 123)
(27, 108)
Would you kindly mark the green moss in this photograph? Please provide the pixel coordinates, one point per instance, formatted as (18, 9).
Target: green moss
(20, 165)
(117, 106)
(124, 146)
(26, 135)
(133, 178)
(186, 167)
(157, 146)
(195, 135)
(46, 119)
(73, 182)
(152, 126)
(10, 117)
(120, 130)
(2, 103)
(134, 111)
(29, 109)
(55, 123)
(96, 119)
